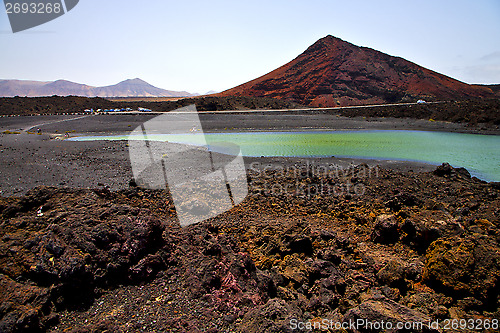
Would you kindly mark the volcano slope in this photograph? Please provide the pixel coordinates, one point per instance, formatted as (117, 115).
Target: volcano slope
(364, 243)
(333, 72)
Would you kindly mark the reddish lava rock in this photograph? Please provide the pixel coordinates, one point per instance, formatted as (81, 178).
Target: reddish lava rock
(333, 72)
(94, 260)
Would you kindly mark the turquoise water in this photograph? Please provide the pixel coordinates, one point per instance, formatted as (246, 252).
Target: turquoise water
(480, 154)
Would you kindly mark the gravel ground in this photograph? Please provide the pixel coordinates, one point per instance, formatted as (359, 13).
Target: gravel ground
(397, 244)
(29, 160)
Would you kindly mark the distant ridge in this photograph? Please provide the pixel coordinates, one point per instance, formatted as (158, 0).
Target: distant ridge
(494, 87)
(128, 88)
(333, 72)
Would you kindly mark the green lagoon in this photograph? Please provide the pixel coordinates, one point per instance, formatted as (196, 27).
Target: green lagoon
(480, 154)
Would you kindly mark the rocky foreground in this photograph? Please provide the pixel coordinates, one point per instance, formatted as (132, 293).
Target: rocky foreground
(372, 244)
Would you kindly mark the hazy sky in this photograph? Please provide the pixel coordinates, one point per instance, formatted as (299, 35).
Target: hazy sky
(214, 45)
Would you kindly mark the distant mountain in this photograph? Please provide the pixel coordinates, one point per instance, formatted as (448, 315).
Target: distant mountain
(332, 72)
(127, 88)
(137, 88)
(65, 88)
(211, 92)
(11, 88)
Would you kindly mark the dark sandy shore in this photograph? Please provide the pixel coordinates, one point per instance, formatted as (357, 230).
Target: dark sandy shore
(29, 160)
(212, 122)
